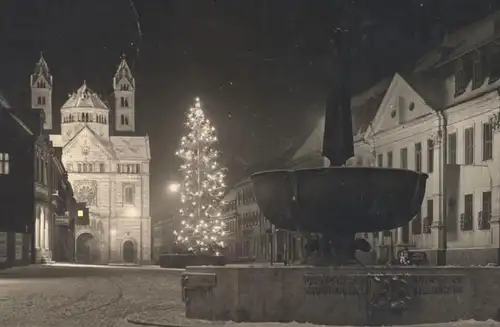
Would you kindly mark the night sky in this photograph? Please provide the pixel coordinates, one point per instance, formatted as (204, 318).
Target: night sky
(262, 68)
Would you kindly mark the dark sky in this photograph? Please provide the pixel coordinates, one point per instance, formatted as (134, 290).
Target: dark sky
(261, 67)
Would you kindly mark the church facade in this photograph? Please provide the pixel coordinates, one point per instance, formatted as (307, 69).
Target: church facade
(107, 165)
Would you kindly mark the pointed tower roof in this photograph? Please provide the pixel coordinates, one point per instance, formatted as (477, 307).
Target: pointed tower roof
(41, 69)
(84, 97)
(123, 71)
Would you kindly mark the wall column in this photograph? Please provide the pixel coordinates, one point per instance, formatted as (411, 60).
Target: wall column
(399, 236)
(47, 233)
(37, 227)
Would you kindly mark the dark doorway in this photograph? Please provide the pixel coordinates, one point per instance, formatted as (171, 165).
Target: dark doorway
(87, 249)
(128, 251)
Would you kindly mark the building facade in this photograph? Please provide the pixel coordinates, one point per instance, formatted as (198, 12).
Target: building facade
(107, 164)
(33, 188)
(250, 235)
(441, 118)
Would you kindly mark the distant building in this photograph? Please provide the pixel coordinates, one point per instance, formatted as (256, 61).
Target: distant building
(440, 118)
(107, 164)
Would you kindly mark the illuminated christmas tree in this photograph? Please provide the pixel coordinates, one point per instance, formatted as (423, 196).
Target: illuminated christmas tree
(203, 186)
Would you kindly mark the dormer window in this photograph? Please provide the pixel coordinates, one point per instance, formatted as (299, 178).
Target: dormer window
(460, 79)
(477, 73)
(124, 87)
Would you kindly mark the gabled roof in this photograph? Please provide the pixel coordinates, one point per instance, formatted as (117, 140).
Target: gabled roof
(105, 146)
(401, 104)
(131, 147)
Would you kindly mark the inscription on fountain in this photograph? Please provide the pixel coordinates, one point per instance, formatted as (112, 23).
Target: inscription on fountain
(328, 284)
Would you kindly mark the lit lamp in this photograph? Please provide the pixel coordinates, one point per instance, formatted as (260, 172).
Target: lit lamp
(174, 187)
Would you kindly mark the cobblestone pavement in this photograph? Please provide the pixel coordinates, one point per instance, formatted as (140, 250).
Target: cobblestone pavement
(42, 296)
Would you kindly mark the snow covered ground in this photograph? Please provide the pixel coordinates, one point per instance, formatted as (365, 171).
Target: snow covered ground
(38, 296)
(79, 295)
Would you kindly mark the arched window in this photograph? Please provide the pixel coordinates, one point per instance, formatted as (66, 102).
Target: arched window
(126, 120)
(123, 119)
(39, 100)
(128, 194)
(79, 167)
(126, 102)
(90, 168)
(122, 101)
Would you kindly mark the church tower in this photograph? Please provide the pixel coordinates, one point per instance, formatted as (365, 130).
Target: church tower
(41, 91)
(124, 93)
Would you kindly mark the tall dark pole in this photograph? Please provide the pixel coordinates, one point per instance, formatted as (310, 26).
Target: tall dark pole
(338, 139)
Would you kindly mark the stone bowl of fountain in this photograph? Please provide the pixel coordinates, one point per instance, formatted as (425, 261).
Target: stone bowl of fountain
(339, 199)
(338, 202)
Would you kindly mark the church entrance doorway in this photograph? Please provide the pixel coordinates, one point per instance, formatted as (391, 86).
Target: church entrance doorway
(128, 252)
(87, 249)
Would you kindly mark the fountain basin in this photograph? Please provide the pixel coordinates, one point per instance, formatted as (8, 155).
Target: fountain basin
(343, 200)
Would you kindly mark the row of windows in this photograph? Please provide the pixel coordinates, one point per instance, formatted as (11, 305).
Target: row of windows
(4, 164)
(87, 167)
(128, 168)
(124, 87)
(94, 167)
(41, 85)
(423, 226)
(85, 117)
(484, 216)
(403, 156)
(482, 64)
(469, 145)
(469, 150)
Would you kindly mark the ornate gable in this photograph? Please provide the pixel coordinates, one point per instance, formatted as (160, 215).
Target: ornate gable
(87, 146)
(401, 105)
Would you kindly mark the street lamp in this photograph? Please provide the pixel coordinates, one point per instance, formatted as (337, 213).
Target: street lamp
(174, 187)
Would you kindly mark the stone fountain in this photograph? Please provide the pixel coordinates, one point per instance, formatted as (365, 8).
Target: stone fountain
(332, 288)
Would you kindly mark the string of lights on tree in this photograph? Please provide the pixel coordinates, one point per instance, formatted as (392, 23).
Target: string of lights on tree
(203, 186)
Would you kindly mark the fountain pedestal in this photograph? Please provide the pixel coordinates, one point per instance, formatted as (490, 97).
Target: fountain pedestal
(341, 296)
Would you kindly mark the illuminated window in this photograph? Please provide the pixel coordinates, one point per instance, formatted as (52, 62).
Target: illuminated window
(4, 164)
